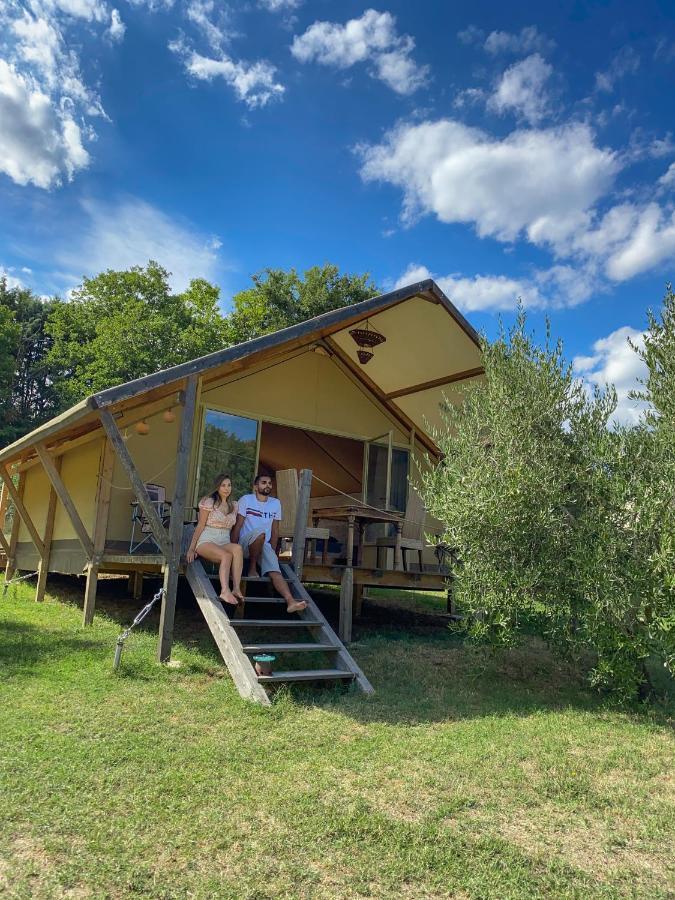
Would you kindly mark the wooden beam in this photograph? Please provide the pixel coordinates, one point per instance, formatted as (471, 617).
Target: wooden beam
(346, 601)
(364, 381)
(10, 568)
(125, 420)
(21, 509)
(102, 509)
(4, 543)
(437, 382)
(176, 523)
(158, 530)
(301, 515)
(43, 565)
(65, 498)
(194, 445)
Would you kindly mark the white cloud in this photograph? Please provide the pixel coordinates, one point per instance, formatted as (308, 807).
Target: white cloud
(667, 180)
(131, 232)
(374, 38)
(650, 241)
(626, 62)
(541, 183)
(613, 361)
(279, 5)
(202, 13)
(525, 41)
(559, 286)
(44, 101)
(39, 143)
(12, 280)
(521, 89)
(253, 83)
(117, 26)
(471, 35)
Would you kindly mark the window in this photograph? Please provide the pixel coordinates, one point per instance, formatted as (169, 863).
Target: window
(229, 445)
(386, 474)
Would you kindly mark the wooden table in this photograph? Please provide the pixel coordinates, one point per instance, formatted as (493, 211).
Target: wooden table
(364, 515)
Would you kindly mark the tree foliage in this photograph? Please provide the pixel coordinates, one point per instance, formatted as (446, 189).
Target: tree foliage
(122, 325)
(278, 299)
(28, 396)
(546, 507)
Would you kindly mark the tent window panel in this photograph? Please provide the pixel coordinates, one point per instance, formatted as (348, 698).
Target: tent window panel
(378, 464)
(228, 445)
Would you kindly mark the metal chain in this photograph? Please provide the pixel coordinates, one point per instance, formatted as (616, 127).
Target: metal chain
(6, 584)
(139, 618)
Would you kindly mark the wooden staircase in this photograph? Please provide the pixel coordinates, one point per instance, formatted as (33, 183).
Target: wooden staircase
(310, 626)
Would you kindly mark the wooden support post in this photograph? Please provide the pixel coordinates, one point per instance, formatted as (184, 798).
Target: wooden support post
(4, 494)
(136, 585)
(10, 567)
(301, 516)
(346, 600)
(43, 566)
(358, 599)
(16, 496)
(158, 530)
(65, 498)
(102, 508)
(176, 523)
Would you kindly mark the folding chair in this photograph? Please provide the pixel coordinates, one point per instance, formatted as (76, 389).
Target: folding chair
(139, 521)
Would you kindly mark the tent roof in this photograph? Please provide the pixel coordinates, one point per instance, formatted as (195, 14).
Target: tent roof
(419, 348)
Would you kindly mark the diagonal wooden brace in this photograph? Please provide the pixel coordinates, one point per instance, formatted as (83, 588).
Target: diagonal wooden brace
(65, 498)
(22, 511)
(158, 530)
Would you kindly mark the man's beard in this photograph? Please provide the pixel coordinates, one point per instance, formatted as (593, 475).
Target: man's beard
(265, 490)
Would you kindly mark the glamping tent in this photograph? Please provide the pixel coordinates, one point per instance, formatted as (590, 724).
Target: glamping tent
(347, 398)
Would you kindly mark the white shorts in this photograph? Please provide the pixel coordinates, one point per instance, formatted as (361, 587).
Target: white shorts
(269, 561)
(211, 535)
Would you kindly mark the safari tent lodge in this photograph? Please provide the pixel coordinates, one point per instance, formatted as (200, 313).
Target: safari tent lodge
(337, 408)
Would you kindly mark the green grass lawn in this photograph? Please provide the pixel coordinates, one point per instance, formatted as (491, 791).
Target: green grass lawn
(464, 776)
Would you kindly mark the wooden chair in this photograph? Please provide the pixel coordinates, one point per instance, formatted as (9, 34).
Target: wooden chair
(287, 492)
(412, 534)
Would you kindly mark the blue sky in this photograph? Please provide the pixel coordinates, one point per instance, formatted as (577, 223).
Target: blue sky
(507, 150)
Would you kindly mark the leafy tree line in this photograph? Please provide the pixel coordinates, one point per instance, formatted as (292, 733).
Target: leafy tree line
(562, 524)
(122, 325)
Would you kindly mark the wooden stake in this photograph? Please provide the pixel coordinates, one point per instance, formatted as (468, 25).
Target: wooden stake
(21, 509)
(176, 524)
(115, 437)
(43, 565)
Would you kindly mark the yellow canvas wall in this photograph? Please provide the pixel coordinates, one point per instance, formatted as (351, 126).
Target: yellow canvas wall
(79, 468)
(307, 390)
(154, 456)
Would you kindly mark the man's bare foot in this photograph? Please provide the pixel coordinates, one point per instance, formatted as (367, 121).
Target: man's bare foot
(228, 597)
(295, 605)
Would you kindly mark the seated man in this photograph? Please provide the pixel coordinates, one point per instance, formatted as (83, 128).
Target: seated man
(257, 530)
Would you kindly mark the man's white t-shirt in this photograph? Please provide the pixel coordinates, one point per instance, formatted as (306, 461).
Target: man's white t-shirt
(258, 514)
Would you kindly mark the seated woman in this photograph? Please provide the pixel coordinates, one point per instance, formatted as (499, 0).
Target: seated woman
(211, 538)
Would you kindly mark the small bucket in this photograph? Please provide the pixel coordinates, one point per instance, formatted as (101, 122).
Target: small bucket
(263, 663)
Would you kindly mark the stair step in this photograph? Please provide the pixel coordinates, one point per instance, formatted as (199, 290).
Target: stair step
(264, 578)
(308, 675)
(286, 648)
(265, 600)
(276, 623)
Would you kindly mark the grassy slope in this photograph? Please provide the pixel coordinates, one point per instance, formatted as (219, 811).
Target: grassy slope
(461, 777)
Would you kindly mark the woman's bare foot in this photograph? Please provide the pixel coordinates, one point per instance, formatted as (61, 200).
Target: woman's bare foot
(228, 597)
(295, 605)
(236, 592)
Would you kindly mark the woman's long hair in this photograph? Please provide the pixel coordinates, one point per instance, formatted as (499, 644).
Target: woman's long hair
(215, 496)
